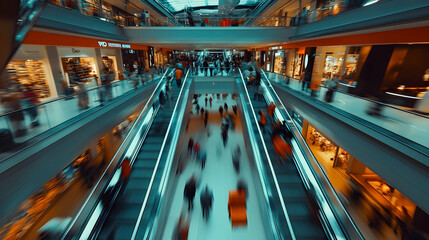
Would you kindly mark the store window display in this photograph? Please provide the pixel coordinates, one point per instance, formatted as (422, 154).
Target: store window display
(31, 73)
(110, 63)
(333, 65)
(80, 70)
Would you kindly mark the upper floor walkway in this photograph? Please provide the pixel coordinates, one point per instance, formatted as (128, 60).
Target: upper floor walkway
(215, 30)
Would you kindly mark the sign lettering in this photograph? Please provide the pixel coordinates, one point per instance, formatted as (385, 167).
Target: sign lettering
(113, 45)
(102, 44)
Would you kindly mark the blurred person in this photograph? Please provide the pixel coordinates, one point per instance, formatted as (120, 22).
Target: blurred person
(31, 100)
(182, 227)
(227, 67)
(314, 87)
(190, 145)
(332, 85)
(197, 148)
(306, 79)
(205, 67)
(234, 109)
(125, 170)
(210, 100)
(107, 78)
(282, 149)
(211, 67)
(236, 155)
(242, 186)
(221, 111)
(197, 107)
(271, 109)
(189, 192)
(206, 118)
(224, 134)
(376, 107)
(206, 101)
(262, 120)
(162, 99)
(225, 106)
(83, 100)
(202, 112)
(11, 102)
(206, 200)
(179, 74)
(202, 158)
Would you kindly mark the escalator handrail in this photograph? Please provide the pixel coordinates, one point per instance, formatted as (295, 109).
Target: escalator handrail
(169, 160)
(258, 160)
(121, 155)
(329, 218)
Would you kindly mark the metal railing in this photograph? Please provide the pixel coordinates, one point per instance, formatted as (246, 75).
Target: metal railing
(398, 133)
(54, 112)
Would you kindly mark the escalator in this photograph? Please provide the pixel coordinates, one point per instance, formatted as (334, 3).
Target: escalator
(294, 193)
(303, 220)
(123, 216)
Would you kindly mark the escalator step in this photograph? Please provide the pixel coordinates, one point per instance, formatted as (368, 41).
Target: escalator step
(298, 210)
(148, 155)
(307, 229)
(129, 212)
(141, 173)
(145, 163)
(151, 147)
(140, 184)
(154, 140)
(124, 232)
(135, 197)
(290, 194)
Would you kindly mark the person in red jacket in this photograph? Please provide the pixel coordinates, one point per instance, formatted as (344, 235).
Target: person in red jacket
(126, 169)
(282, 149)
(271, 109)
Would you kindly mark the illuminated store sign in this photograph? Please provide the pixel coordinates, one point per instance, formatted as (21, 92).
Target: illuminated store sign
(113, 45)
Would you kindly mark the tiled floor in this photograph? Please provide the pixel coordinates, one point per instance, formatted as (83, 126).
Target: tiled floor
(219, 175)
(401, 123)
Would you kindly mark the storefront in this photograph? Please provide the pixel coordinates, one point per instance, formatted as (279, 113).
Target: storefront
(346, 172)
(280, 62)
(328, 62)
(79, 65)
(112, 59)
(297, 63)
(30, 66)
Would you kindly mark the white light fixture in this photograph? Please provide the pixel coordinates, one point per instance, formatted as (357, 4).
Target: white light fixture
(369, 2)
